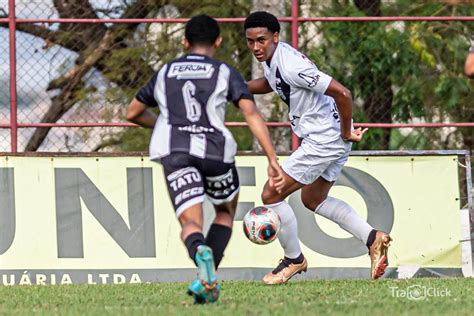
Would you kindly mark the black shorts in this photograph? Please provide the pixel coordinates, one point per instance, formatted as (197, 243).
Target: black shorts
(189, 178)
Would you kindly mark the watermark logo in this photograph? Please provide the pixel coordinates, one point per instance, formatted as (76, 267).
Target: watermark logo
(418, 292)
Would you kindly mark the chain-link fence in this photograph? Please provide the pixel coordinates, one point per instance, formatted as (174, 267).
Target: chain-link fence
(79, 63)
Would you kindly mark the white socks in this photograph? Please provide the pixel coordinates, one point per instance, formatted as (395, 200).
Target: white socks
(344, 215)
(288, 235)
(333, 209)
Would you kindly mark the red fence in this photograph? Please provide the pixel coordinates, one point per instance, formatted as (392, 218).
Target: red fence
(295, 20)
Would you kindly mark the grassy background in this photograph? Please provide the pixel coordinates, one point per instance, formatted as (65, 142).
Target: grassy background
(355, 297)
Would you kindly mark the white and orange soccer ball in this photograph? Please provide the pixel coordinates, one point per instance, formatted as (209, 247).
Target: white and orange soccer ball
(261, 225)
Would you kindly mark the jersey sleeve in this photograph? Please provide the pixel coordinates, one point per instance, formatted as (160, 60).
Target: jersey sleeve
(237, 88)
(146, 94)
(306, 75)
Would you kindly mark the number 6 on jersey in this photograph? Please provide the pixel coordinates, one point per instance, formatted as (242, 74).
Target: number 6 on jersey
(193, 107)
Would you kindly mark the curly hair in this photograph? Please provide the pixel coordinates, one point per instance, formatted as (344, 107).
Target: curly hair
(262, 19)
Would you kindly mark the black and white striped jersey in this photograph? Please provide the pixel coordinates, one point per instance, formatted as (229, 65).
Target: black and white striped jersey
(192, 93)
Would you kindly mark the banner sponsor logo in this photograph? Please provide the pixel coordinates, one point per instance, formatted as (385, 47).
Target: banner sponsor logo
(78, 215)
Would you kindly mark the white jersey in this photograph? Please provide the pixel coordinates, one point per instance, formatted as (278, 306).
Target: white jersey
(301, 86)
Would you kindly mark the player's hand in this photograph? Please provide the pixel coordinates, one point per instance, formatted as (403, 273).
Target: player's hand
(275, 176)
(356, 135)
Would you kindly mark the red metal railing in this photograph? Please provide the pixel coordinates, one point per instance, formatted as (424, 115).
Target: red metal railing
(13, 96)
(294, 19)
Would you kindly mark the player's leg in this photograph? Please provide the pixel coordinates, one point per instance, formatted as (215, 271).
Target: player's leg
(186, 190)
(293, 261)
(199, 252)
(204, 288)
(219, 233)
(315, 197)
(191, 229)
(288, 235)
(222, 188)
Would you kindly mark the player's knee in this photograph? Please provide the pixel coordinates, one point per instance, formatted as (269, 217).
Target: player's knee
(190, 221)
(268, 197)
(265, 197)
(224, 219)
(227, 209)
(311, 203)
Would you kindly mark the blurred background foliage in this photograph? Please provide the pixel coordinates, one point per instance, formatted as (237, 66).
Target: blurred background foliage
(398, 72)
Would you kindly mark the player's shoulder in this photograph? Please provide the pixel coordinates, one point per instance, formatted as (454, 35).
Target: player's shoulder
(291, 58)
(223, 66)
(191, 60)
(233, 71)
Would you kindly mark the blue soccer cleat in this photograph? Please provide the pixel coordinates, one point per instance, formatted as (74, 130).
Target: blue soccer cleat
(205, 263)
(204, 288)
(201, 294)
(197, 290)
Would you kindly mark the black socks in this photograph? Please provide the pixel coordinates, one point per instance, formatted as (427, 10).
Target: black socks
(217, 238)
(296, 260)
(371, 238)
(192, 242)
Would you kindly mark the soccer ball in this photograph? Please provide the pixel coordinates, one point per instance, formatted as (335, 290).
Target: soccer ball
(261, 225)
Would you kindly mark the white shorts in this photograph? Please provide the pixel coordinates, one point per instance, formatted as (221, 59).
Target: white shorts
(312, 160)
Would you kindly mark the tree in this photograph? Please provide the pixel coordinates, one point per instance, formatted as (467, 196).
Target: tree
(362, 62)
(397, 71)
(122, 53)
(94, 43)
(401, 71)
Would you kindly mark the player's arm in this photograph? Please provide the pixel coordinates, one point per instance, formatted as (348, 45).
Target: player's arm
(139, 113)
(307, 76)
(240, 95)
(469, 64)
(343, 98)
(138, 110)
(259, 86)
(260, 131)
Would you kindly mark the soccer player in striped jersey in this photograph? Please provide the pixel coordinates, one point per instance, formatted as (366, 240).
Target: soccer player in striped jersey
(194, 146)
(320, 111)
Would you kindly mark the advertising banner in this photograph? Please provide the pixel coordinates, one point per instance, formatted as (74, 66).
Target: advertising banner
(109, 220)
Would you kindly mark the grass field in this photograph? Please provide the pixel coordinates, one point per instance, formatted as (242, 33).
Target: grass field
(355, 297)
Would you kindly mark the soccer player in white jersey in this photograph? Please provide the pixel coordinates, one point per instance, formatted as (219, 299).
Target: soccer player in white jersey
(195, 148)
(320, 111)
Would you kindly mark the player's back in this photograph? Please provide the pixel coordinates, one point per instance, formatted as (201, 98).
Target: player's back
(190, 82)
(192, 92)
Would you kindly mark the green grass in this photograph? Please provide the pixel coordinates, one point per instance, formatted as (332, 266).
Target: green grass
(355, 297)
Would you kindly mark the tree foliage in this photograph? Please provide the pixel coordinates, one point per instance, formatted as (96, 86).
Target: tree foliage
(417, 64)
(165, 45)
(397, 71)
